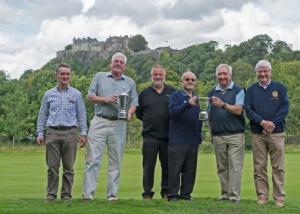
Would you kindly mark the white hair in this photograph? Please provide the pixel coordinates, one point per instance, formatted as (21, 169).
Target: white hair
(228, 67)
(187, 72)
(119, 54)
(263, 64)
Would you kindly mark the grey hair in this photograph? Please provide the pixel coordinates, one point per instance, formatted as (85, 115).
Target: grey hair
(63, 65)
(263, 64)
(119, 54)
(158, 66)
(187, 71)
(228, 67)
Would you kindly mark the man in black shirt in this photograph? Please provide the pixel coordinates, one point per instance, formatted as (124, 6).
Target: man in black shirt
(153, 112)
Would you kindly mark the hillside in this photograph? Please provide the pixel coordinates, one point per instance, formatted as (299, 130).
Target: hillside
(88, 56)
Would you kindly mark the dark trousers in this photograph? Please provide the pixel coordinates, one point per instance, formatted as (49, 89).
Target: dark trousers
(182, 159)
(61, 145)
(152, 147)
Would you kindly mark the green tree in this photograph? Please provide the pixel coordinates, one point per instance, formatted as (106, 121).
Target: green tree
(288, 73)
(17, 118)
(137, 43)
(242, 72)
(281, 51)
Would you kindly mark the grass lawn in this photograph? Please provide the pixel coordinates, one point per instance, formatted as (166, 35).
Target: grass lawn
(23, 183)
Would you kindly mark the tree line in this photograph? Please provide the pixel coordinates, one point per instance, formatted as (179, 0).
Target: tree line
(21, 99)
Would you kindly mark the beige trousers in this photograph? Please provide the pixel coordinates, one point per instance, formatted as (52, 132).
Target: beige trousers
(262, 145)
(229, 150)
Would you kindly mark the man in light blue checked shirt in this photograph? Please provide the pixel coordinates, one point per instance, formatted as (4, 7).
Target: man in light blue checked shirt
(106, 129)
(62, 112)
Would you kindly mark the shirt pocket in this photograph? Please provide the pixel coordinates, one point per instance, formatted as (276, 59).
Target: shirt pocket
(71, 104)
(53, 104)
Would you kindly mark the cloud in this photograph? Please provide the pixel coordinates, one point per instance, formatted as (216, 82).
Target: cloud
(32, 31)
(44, 9)
(87, 4)
(7, 14)
(250, 21)
(195, 9)
(190, 31)
(54, 35)
(284, 13)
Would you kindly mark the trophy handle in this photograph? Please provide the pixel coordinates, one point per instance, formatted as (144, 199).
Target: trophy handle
(130, 98)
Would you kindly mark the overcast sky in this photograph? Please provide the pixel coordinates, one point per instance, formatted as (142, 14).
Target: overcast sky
(31, 31)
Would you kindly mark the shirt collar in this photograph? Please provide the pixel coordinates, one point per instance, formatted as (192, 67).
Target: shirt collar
(183, 92)
(265, 86)
(110, 75)
(230, 86)
(58, 89)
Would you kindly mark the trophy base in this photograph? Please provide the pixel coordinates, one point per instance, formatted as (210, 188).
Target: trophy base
(122, 115)
(203, 116)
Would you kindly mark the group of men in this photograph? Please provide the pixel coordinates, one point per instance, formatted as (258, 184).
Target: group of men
(171, 130)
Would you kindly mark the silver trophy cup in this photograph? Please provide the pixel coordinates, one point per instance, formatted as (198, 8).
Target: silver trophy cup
(203, 103)
(123, 105)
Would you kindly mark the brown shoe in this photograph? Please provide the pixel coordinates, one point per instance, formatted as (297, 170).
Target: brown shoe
(85, 200)
(262, 200)
(49, 199)
(279, 202)
(66, 199)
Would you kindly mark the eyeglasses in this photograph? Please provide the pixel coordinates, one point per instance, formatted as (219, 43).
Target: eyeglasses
(190, 79)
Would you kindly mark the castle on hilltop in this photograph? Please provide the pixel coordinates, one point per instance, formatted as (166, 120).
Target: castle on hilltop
(112, 44)
(88, 50)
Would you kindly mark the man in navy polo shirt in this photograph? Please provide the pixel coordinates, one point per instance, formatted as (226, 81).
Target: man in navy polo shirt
(267, 105)
(184, 139)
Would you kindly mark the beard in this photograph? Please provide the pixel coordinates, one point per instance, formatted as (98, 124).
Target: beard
(158, 84)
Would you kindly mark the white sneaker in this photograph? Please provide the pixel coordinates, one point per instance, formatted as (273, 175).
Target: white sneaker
(112, 198)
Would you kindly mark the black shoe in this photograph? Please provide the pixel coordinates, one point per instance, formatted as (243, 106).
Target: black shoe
(186, 198)
(147, 195)
(164, 195)
(173, 198)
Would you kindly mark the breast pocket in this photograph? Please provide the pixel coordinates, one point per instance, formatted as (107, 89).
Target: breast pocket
(53, 104)
(71, 104)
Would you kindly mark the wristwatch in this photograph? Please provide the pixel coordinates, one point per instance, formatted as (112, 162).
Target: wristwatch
(224, 106)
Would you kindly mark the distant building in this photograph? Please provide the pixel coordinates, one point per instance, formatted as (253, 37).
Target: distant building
(88, 49)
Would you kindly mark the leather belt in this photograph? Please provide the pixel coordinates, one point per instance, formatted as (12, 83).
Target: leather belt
(107, 117)
(62, 128)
